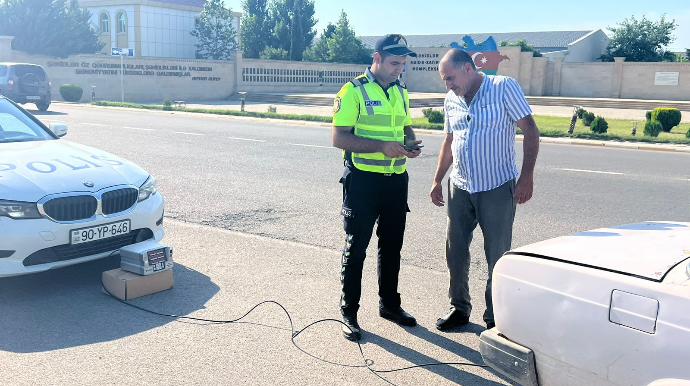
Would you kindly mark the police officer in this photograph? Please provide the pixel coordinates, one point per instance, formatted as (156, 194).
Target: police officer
(371, 123)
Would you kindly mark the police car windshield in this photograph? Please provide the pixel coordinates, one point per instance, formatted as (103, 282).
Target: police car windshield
(16, 126)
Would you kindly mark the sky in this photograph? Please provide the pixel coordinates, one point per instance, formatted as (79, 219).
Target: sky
(428, 17)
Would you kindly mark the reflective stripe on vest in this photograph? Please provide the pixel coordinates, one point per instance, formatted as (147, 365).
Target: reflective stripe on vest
(381, 126)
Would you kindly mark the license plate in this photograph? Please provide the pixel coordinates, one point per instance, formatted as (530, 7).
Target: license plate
(100, 232)
(33, 98)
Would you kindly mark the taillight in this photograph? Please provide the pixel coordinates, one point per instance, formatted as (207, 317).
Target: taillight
(10, 82)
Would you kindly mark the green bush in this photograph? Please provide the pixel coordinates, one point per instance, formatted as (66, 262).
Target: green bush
(587, 118)
(71, 92)
(426, 112)
(599, 125)
(167, 102)
(648, 115)
(436, 117)
(687, 134)
(667, 116)
(580, 112)
(652, 128)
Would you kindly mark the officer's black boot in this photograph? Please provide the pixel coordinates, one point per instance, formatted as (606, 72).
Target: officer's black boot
(351, 330)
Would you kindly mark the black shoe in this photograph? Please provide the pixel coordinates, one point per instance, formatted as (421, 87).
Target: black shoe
(351, 330)
(454, 319)
(398, 316)
(490, 325)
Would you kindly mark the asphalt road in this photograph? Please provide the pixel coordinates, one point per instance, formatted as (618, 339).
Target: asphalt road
(281, 180)
(252, 210)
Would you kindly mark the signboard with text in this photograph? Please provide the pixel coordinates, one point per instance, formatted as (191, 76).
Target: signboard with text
(122, 51)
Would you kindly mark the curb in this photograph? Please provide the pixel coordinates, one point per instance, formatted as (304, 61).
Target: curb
(519, 137)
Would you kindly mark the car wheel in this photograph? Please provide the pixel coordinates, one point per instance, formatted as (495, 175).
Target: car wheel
(42, 106)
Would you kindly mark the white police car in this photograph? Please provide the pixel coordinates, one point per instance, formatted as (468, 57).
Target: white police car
(62, 203)
(607, 307)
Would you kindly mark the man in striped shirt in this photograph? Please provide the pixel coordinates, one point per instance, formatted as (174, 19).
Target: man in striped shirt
(481, 112)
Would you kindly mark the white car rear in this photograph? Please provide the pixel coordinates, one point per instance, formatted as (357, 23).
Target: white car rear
(605, 307)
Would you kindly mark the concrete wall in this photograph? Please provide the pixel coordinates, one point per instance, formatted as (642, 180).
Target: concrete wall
(637, 81)
(6, 48)
(146, 79)
(593, 80)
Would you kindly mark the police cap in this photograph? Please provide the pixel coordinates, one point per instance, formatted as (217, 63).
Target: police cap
(394, 44)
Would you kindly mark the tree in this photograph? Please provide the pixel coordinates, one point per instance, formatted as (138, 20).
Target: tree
(524, 47)
(318, 52)
(215, 33)
(270, 53)
(640, 40)
(292, 24)
(48, 27)
(256, 31)
(339, 44)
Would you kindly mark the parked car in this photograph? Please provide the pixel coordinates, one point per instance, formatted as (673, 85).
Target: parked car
(63, 203)
(25, 83)
(606, 307)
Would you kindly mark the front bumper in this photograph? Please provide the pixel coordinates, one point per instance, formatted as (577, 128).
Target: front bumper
(44, 243)
(508, 358)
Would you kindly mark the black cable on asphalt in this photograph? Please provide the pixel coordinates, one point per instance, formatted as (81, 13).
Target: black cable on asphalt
(368, 363)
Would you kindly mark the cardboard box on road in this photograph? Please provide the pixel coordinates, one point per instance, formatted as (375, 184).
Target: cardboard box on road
(127, 285)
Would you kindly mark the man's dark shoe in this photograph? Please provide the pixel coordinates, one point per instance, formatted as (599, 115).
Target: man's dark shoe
(351, 330)
(398, 316)
(454, 319)
(490, 325)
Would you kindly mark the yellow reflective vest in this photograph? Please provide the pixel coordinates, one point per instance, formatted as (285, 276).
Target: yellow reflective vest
(362, 103)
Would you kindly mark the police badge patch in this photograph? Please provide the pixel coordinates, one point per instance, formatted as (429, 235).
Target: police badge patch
(336, 105)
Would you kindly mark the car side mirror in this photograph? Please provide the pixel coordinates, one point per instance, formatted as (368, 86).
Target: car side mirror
(59, 129)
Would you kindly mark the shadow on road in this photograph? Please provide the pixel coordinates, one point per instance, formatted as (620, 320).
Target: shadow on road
(66, 308)
(453, 373)
(36, 112)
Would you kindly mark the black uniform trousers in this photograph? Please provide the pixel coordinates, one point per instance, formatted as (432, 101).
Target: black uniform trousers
(370, 198)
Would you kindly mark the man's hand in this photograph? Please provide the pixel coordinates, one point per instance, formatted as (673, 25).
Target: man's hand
(436, 194)
(523, 188)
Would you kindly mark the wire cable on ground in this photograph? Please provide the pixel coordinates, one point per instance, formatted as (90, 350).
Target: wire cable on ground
(368, 363)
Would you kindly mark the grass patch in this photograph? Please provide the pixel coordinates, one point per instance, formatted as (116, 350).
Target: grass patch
(619, 129)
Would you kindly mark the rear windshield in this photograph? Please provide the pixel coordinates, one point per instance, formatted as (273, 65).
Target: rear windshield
(22, 69)
(3, 70)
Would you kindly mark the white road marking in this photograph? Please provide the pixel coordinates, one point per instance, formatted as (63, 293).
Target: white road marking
(182, 132)
(93, 124)
(322, 147)
(592, 171)
(137, 128)
(248, 139)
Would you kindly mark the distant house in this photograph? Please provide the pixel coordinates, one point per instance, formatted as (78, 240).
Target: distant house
(573, 46)
(151, 27)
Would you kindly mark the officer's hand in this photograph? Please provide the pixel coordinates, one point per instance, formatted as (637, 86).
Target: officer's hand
(414, 153)
(436, 194)
(393, 149)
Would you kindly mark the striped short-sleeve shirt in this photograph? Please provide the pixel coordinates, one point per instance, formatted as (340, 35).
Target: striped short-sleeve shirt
(484, 133)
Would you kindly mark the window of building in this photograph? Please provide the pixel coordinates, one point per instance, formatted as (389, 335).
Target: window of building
(105, 22)
(121, 22)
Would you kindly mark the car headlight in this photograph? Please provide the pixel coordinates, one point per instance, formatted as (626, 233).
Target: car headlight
(147, 189)
(19, 210)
